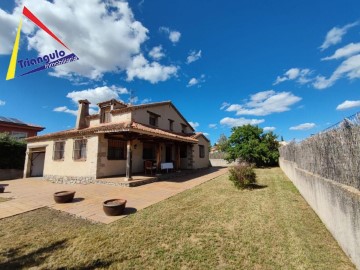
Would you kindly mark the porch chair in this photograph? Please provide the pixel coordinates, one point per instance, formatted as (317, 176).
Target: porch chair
(150, 166)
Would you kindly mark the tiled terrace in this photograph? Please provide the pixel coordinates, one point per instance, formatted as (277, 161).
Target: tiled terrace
(33, 193)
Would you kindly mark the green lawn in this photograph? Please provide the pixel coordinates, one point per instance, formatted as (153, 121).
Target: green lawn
(213, 226)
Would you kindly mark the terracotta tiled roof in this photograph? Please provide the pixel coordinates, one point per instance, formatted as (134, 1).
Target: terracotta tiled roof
(198, 134)
(115, 128)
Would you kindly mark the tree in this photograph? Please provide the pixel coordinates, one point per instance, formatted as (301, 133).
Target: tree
(222, 143)
(12, 152)
(249, 143)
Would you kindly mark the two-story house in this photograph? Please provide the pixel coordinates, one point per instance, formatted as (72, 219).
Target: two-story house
(117, 141)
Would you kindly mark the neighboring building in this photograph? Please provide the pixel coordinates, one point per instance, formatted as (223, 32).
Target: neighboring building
(117, 141)
(17, 128)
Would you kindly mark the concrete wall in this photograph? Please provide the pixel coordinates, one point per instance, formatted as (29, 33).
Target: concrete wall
(337, 205)
(219, 162)
(198, 161)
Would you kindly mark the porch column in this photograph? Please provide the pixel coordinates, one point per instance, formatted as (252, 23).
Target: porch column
(128, 161)
(177, 157)
(158, 156)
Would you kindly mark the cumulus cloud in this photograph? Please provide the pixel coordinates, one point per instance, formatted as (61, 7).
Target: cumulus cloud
(2, 102)
(90, 32)
(224, 105)
(196, 81)
(173, 35)
(350, 68)
(344, 52)
(65, 110)
(194, 124)
(214, 126)
(145, 100)
(305, 126)
(348, 104)
(335, 35)
(265, 103)
(236, 122)
(157, 53)
(206, 134)
(299, 75)
(269, 128)
(193, 56)
(152, 72)
(98, 94)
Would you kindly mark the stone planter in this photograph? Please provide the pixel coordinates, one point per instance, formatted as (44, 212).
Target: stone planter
(114, 207)
(2, 188)
(64, 196)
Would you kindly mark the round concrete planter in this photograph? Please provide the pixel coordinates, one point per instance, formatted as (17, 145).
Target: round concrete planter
(64, 196)
(114, 207)
(2, 188)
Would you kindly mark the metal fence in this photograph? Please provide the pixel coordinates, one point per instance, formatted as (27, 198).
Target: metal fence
(333, 153)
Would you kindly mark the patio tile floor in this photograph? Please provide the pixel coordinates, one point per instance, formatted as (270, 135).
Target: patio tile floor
(32, 193)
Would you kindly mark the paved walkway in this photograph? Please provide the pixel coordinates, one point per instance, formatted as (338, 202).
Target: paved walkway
(33, 193)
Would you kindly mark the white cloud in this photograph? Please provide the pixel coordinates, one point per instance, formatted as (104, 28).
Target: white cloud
(152, 72)
(346, 51)
(193, 56)
(236, 122)
(98, 94)
(300, 75)
(224, 105)
(145, 100)
(196, 81)
(206, 134)
(194, 124)
(95, 33)
(157, 53)
(269, 128)
(305, 126)
(65, 110)
(349, 68)
(214, 126)
(265, 103)
(2, 102)
(174, 35)
(335, 35)
(133, 100)
(348, 104)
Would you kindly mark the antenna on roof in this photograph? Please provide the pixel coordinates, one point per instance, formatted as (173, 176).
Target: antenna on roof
(133, 97)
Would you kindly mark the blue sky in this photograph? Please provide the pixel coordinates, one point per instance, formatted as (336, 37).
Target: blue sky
(289, 65)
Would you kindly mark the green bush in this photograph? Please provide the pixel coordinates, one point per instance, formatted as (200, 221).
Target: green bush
(242, 175)
(12, 152)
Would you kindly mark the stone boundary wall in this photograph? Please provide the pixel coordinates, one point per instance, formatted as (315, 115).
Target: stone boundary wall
(336, 204)
(10, 174)
(60, 179)
(219, 162)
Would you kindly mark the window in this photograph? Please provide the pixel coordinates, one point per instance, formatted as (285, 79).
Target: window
(116, 150)
(19, 135)
(149, 151)
(153, 119)
(201, 151)
(105, 115)
(183, 128)
(183, 151)
(171, 124)
(59, 150)
(80, 149)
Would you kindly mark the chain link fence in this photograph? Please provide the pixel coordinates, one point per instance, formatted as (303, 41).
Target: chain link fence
(333, 153)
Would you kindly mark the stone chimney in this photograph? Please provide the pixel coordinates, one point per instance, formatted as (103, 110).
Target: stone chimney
(83, 111)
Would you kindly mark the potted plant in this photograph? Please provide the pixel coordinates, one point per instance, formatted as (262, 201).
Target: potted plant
(64, 196)
(114, 207)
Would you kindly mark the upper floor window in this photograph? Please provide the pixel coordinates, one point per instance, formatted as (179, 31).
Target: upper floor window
(183, 128)
(59, 150)
(116, 150)
(153, 119)
(105, 115)
(171, 124)
(19, 135)
(201, 151)
(80, 149)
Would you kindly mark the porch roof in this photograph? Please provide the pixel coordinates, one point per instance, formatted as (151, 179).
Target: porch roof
(133, 127)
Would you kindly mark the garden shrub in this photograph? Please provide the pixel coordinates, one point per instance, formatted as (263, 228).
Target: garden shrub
(242, 175)
(12, 152)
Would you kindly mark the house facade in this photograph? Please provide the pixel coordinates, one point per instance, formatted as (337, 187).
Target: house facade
(17, 128)
(116, 142)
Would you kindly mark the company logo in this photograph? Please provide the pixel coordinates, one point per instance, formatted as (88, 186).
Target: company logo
(53, 59)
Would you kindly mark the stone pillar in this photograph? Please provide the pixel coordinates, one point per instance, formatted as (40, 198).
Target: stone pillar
(128, 161)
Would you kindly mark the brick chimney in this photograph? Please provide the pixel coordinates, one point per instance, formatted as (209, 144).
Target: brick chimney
(83, 111)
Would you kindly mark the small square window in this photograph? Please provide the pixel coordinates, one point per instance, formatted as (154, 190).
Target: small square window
(116, 150)
(59, 151)
(171, 125)
(105, 115)
(201, 151)
(80, 149)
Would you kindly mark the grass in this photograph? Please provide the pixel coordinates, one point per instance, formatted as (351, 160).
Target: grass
(211, 226)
